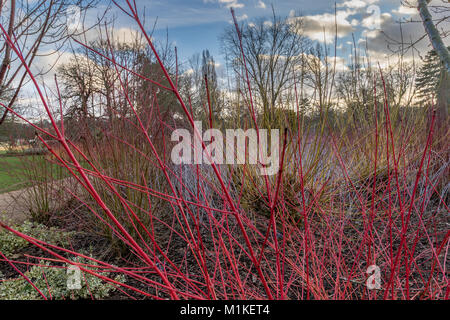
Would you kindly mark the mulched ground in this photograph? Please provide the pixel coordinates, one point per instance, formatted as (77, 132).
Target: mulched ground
(88, 240)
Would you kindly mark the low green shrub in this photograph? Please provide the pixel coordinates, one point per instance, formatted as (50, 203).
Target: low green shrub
(52, 281)
(11, 244)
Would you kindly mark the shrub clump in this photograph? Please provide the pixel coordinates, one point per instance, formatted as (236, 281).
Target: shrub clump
(11, 244)
(52, 281)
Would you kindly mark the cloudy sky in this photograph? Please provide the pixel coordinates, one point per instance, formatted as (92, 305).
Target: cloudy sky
(195, 25)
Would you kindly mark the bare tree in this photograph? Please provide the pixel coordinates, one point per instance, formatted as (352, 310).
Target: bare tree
(435, 17)
(200, 85)
(272, 48)
(78, 82)
(442, 52)
(33, 25)
(434, 34)
(94, 82)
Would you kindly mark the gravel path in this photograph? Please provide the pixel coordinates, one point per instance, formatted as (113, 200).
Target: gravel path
(12, 207)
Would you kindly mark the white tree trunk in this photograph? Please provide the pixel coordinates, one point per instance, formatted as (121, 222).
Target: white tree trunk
(433, 34)
(444, 56)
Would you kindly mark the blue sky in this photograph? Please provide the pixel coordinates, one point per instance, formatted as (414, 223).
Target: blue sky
(194, 25)
(197, 24)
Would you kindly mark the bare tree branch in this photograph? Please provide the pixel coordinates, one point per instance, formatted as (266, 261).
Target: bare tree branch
(433, 34)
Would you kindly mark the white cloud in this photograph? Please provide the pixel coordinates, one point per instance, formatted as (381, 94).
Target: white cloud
(268, 23)
(261, 5)
(316, 25)
(370, 34)
(119, 35)
(126, 35)
(403, 10)
(228, 3)
(356, 4)
(386, 41)
(243, 17)
(48, 62)
(341, 63)
(374, 20)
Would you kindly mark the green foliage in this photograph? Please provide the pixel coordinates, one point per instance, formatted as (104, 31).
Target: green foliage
(10, 171)
(10, 244)
(428, 77)
(52, 281)
(28, 168)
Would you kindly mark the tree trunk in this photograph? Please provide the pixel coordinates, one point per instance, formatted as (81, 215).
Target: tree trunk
(444, 56)
(444, 98)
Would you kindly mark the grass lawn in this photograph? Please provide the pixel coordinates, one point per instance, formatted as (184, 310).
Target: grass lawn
(18, 172)
(10, 178)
